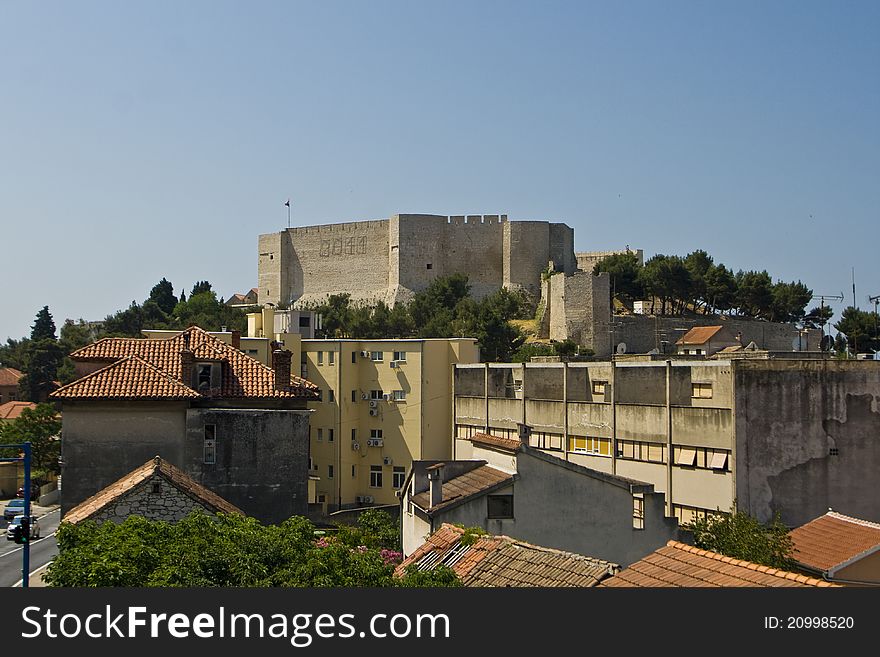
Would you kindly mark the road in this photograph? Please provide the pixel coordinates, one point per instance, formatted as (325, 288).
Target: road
(43, 550)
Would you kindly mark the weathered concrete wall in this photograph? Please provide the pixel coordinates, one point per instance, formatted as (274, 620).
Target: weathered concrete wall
(262, 459)
(103, 442)
(790, 415)
(168, 504)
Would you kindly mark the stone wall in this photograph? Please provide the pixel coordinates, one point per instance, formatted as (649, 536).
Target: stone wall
(390, 259)
(167, 503)
(586, 260)
(578, 310)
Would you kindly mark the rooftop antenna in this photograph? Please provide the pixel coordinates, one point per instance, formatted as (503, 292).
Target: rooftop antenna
(854, 287)
(822, 297)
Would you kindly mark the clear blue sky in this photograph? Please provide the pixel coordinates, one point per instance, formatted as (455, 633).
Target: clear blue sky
(150, 139)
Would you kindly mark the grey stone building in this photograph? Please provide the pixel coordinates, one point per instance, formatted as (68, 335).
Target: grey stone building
(232, 424)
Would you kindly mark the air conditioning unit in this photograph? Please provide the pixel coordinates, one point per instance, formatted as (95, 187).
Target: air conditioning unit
(374, 442)
(364, 395)
(374, 412)
(365, 354)
(360, 499)
(368, 499)
(387, 396)
(355, 446)
(393, 363)
(387, 461)
(373, 403)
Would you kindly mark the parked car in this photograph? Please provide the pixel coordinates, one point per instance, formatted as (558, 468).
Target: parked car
(13, 508)
(16, 521)
(35, 492)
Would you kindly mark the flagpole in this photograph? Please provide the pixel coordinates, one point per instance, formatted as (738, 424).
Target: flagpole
(288, 213)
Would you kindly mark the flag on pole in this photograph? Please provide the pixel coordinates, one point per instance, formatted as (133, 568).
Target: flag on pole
(287, 203)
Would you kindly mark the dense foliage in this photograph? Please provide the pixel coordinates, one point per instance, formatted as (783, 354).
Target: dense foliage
(40, 426)
(737, 534)
(444, 310)
(696, 282)
(231, 550)
(862, 330)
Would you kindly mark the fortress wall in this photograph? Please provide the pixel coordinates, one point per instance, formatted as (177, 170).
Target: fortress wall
(580, 310)
(269, 268)
(526, 254)
(562, 248)
(348, 257)
(469, 244)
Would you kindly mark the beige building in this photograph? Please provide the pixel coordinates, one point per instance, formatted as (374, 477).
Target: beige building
(384, 404)
(704, 432)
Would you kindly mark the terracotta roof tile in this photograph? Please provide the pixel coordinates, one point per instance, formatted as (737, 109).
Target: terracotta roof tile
(470, 483)
(156, 466)
(699, 335)
(502, 561)
(12, 410)
(9, 376)
(496, 441)
(680, 565)
(832, 540)
(243, 376)
(128, 378)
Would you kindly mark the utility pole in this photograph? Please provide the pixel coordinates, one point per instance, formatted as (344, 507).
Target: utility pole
(822, 297)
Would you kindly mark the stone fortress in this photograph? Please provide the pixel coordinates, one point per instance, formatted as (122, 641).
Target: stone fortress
(390, 259)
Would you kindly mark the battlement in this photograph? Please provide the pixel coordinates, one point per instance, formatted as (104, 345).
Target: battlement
(344, 227)
(475, 219)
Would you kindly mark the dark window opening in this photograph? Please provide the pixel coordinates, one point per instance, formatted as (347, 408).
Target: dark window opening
(304, 321)
(430, 266)
(500, 506)
(834, 451)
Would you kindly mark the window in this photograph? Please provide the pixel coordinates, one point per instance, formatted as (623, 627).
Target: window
(377, 355)
(354, 471)
(354, 356)
(376, 433)
(320, 358)
(320, 435)
(429, 266)
(210, 447)
(701, 390)
(376, 394)
(375, 476)
(718, 461)
(354, 395)
(589, 445)
(499, 506)
(465, 431)
(354, 434)
(641, 451)
(203, 372)
(312, 465)
(399, 395)
(398, 476)
(331, 357)
(599, 387)
(329, 472)
(329, 435)
(686, 456)
(304, 321)
(638, 511)
(546, 440)
(331, 396)
(252, 353)
(156, 487)
(400, 356)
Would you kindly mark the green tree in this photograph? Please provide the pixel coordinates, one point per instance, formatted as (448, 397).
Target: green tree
(738, 535)
(14, 353)
(526, 351)
(199, 288)
(42, 358)
(624, 269)
(860, 328)
(41, 426)
(754, 294)
(667, 278)
(163, 294)
(44, 326)
(789, 301)
(699, 264)
(229, 550)
(818, 316)
(720, 284)
(126, 323)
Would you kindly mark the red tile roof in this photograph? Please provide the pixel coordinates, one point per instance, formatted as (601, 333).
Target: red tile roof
(12, 410)
(478, 480)
(496, 441)
(834, 540)
(699, 335)
(501, 561)
(156, 466)
(680, 565)
(9, 376)
(243, 376)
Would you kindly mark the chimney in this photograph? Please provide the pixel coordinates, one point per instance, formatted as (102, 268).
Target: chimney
(187, 361)
(281, 365)
(435, 483)
(236, 339)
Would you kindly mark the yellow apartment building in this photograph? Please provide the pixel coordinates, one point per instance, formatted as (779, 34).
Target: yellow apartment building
(384, 404)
